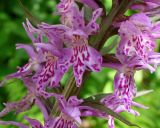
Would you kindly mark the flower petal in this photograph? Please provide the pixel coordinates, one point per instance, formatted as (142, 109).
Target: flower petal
(42, 107)
(124, 85)
(79, 69)
(29, 49)
(64, 6)
(111, 122)
(64, 62)
(90, 3)
(154, 59)
(43, 77)
(20, 125)
(77, 19)
(139, 64)
(25, 70)
(138, 19)
(49, 47)
(54, 29)
(134, 43)
(74, 101)
(155, 30)
(33, 32)
(34, 123)
(56, 78)
(95, 60)
(56, 33)
(92, 27)
(146, 5)
(19, 106)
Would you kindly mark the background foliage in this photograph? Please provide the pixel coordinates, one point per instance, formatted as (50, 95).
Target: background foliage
(12, 32)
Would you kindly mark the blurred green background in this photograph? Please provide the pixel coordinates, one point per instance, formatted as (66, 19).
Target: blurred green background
(12, 32)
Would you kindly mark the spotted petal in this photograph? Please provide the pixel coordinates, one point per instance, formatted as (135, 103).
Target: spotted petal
(42, 78)
(77, 19)
(133, 42)
(85, 57)
(70, 112)
(80, 55)
(124, 84)
(64, 62)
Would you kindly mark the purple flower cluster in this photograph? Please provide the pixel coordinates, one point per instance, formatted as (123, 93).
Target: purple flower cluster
(135, 52)
(67, 45)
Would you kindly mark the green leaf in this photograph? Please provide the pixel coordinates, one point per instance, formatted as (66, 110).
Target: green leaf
(101, 107)
(113, 42)
(94, 102)
(97, 97)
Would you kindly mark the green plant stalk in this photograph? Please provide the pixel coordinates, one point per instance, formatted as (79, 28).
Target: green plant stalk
(106, 26)
(69, 90)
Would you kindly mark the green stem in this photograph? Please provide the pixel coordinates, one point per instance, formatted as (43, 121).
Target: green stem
(69, 90)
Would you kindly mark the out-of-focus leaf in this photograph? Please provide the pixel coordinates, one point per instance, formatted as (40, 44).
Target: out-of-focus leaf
(28, 14)
(8, 82)
(141, 93)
